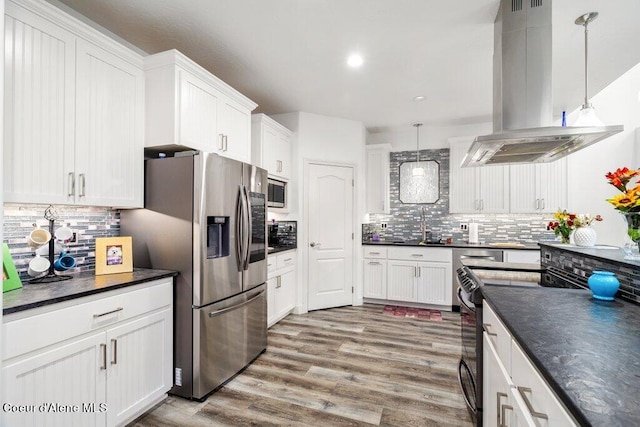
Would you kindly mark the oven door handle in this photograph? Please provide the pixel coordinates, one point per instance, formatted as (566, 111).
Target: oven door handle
(473, 310)
(462, 364)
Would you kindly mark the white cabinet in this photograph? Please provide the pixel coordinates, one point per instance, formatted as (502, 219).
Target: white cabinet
(421, 275)
(112, 357)
(476, 189)
(538, 187)
(73, 112)
(188, 108)
(281, 285)
(375, 279)
(514, 393)
(377, 182)
(271, 146)
(521, 255)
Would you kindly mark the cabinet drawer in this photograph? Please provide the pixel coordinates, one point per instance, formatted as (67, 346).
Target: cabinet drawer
(420, 254)
(498, 334)
(534, 390)
(375, 252)
(271, 264)
(58, 325)
(285, 260)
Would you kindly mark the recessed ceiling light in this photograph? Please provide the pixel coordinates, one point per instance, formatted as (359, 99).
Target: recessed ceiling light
(355, 61)
(419, 98)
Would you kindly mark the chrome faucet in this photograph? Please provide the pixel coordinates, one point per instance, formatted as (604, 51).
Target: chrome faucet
(423, 223)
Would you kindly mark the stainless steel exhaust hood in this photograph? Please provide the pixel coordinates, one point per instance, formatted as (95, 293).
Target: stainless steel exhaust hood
(522, 94)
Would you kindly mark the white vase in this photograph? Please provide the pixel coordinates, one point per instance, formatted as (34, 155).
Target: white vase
(584, 236)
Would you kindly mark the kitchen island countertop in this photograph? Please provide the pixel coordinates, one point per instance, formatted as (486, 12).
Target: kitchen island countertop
(587, 350)
(81, 285)
(456, 244)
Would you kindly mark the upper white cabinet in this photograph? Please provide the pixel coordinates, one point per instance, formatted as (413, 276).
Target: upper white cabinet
(186, 106)
(477, 189)
(271, 146)
(538, 187)
(377, 200)
(73, 111)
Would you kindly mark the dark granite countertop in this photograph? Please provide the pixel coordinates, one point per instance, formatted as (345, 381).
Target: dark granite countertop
(465, 245)
(587, 350)
(82, 285)
(609, 253)
(277, 249)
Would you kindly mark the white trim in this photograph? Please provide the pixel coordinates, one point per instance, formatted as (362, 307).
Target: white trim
(303, 238)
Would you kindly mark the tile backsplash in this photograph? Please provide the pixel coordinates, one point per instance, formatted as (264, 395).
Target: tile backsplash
(403, 222)
(87, 222)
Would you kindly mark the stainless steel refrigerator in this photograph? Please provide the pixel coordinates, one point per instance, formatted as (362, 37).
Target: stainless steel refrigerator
(205, 217)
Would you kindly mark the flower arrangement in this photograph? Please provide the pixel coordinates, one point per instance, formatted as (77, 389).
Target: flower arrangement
(565, 222)
(629, 199)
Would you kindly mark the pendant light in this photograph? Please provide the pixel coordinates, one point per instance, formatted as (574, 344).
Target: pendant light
(417, 169)
(587, 115)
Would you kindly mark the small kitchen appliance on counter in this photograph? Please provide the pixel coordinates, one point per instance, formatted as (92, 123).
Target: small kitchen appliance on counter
(205, 217)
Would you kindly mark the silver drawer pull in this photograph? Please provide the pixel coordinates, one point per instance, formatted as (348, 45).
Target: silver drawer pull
(499, 410)
(103, 348)
(522, 391)
(288, 259)
(114, 343)
(374, 263)
(269, 265)
(487, 328)
(418, 255)
(108, 312)
(374, 253)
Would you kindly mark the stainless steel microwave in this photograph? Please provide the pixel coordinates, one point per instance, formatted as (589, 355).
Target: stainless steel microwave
(277, 194)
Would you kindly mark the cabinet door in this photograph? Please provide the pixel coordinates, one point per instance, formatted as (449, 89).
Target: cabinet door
(375, 279)
(270, 149)
(286, 294)
(139, 365)
(235, 125)
(377, 197)
(463, 182)
(552, 179)
(39, 88)
(401, 280)
(523, 190)
(198, 114)
(69, 374)
(109, 129)
(272, 293)
(434, 283)
(494, 189)
(284, 150)
(497, 405)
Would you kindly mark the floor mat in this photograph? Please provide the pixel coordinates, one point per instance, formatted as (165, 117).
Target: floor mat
(411, 312)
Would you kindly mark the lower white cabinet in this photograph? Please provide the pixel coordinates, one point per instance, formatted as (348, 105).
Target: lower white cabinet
(521, 255)
(514, 393)
(111, 360)
(407, 274)
(281, 286)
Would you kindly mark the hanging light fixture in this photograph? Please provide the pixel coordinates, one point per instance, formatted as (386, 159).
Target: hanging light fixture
(587, 115)
(417, 169)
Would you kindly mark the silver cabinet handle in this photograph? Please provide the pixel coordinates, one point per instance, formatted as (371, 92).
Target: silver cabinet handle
(374, 253)
(226, 142)
(542, 204)
(499, 410)
(314, 244)
(487, 329)
(114, 344)
(288, 259)
(504, 416)
(71, 184)
(419, 272)
(269, 265)
(103, 348)
(481, 204)
(417, 255)
(415, 271)
(95, 316)
(522, 391)
(221, 142)
(82, 179)
(374, 263)
(537, 204)
(278, 282)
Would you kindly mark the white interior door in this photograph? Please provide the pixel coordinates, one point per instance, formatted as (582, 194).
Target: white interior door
(330, 219)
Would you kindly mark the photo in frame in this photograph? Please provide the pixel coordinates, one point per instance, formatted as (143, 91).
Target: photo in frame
(114, 255)
(10, 276)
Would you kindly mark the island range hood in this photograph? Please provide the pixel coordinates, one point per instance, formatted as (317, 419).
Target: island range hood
(522, 94)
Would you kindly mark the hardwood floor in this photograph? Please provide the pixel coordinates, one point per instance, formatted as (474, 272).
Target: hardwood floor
(350, 366)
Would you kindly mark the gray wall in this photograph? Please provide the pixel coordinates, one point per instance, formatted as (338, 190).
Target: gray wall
(403, 223)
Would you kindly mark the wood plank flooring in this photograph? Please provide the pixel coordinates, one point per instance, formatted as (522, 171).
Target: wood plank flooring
(349, 366)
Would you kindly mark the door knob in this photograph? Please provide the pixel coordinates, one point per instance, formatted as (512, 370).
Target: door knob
(314, 244)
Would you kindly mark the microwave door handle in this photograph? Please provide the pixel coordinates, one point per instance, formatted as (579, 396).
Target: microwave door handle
(239, 229)
(249, 229)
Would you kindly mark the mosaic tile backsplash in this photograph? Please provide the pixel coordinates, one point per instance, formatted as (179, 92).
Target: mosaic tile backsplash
(87, 222)
(403, 222)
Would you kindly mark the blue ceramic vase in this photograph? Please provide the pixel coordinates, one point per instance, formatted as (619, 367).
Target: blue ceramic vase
(604, 285)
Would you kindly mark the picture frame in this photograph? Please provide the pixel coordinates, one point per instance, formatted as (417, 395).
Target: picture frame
(10, 277)
(114, 255)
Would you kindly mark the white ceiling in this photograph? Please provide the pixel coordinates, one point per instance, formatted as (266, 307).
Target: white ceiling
(290, 55)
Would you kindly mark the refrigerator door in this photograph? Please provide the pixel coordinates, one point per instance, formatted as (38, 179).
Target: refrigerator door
(256, 185)
(229, 335)
(218, 224)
